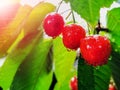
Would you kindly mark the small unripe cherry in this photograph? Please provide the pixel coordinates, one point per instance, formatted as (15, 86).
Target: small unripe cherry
(53, 24)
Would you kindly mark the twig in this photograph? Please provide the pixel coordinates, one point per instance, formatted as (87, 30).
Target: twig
(88, 28)
(74, 21)
(59, 6)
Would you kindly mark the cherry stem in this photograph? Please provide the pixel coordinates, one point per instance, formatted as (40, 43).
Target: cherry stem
(59, 6)
(99, 28)
(88, 28)
(68, 15)
(74, 21)
(65, 11)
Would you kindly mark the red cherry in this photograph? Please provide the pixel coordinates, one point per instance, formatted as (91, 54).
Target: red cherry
(95, 49)
(112, 87)
(72, 34)
(74, 83)
(7, 14)
(53, 24)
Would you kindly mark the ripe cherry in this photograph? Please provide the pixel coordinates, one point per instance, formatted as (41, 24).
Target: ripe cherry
(72, 34)
(95, 49)
(74, 83)
(53, 24)
(112, 87)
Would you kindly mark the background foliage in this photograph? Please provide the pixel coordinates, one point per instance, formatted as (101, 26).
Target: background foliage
(32, 59)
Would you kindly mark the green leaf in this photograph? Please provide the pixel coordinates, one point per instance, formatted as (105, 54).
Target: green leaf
(85, 76)
(113, 24)
(66, 1)
(66, 84)
(115, 67)
(102, 76)
(89, 9)
(91, 78)
(35, 72)
(37, 15)
(106, 3)
(27, 19)
(15, 58)
(10, 33)
(63, 60)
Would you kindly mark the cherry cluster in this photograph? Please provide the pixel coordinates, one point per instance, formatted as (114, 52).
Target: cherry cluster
(94, 49)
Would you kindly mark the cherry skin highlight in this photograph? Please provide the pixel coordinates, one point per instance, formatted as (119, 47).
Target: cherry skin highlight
(74, 83)
(112, 87)
(72, 34)
(53, 24)
(95, 50)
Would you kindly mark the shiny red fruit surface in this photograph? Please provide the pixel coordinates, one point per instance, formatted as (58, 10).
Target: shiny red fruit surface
(72, 34)
(112, 87)
(74, 83)
(53, 24)
(95, 50)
